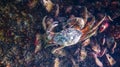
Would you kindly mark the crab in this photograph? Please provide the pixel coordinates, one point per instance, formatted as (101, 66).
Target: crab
(78, 31)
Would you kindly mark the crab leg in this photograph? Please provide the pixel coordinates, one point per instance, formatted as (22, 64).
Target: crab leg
(91, 23)
(88, 26)
(57, 49)
(85, 14)
(91, 32)
(86, 36)
(96, 26)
